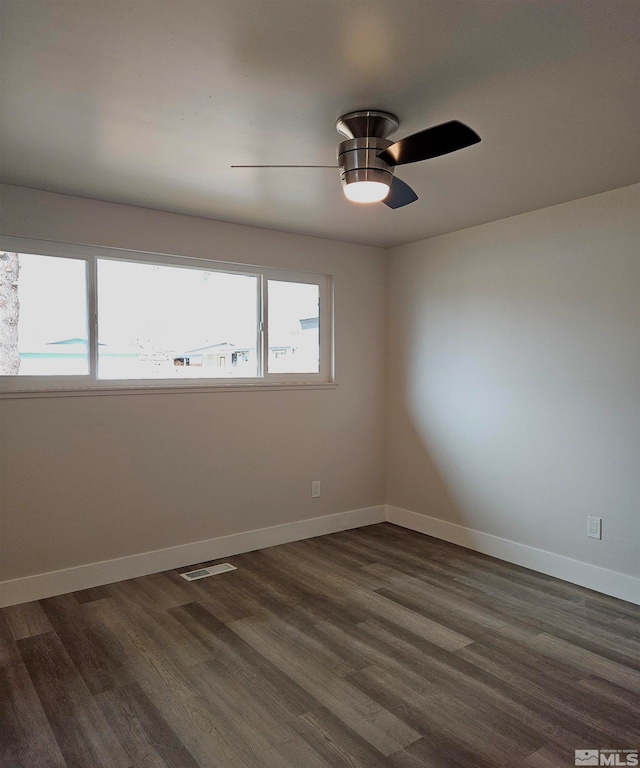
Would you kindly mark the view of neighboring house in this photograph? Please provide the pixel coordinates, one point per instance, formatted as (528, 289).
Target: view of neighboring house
(219, 355)
(57, 358)
(70, 357)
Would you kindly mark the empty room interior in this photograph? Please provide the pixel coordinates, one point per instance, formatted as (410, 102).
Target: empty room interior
(319, 383)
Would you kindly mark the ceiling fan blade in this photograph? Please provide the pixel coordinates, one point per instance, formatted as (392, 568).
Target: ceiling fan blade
(400, 194)
(432, 142)
(284, 166)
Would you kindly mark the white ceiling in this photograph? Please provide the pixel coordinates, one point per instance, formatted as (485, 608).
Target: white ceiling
(149, 103)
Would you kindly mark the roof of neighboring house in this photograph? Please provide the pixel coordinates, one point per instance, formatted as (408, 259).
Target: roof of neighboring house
(73, 341)
(222, 346)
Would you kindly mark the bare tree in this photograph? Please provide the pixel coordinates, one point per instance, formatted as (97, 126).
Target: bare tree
(9, 313)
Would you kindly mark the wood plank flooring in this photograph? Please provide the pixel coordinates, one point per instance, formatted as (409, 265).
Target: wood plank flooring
(366, 648)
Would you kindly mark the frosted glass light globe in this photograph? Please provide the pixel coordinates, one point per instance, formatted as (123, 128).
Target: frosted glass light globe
(366, 191)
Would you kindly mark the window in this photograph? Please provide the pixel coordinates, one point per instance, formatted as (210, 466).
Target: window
(294, 329)
(43, 315)
(76, 320)
(166, 322)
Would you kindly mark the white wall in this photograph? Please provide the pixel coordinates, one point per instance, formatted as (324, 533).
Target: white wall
(93, 478)
(514, 378)
(513, 396)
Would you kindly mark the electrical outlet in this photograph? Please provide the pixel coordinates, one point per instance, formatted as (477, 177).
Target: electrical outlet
(594, 527)
(315, 489)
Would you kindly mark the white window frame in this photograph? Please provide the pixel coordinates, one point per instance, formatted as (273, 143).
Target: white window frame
(38, 386)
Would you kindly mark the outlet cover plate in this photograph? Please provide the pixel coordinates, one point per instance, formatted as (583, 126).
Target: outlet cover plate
(594, 527)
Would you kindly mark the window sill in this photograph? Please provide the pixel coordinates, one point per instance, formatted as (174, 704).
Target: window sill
(147, 389)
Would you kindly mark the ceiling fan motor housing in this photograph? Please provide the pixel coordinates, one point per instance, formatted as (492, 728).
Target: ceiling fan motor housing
(366, 132)
(358, 160)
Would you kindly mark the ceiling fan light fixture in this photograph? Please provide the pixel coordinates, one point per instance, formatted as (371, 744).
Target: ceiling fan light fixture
(368, 158)
(366, 191)
(365, 178)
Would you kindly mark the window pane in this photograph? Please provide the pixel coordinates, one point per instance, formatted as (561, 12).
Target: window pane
(164, 322)
(43, 316)
(294, 327)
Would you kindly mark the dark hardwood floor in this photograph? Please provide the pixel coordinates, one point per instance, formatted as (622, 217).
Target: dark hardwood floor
(373, 647)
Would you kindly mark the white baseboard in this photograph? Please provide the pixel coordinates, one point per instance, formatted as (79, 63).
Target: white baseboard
(574, 571)
(106, 572)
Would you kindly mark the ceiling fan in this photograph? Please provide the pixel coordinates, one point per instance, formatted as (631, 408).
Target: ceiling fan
(367, 158)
